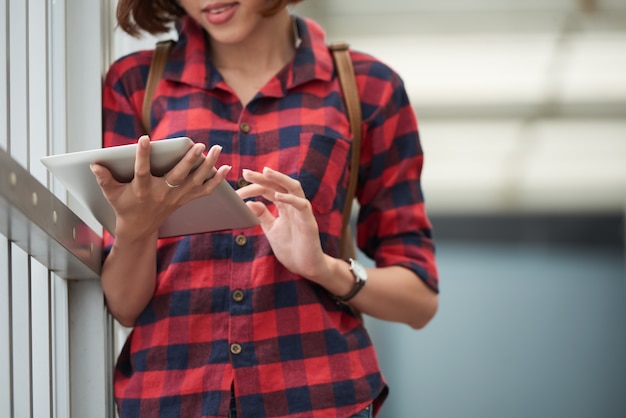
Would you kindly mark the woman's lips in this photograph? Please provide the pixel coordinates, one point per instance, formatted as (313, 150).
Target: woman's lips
(220, 13)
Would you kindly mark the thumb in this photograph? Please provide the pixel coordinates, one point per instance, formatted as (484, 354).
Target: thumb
(261, 212)
(103, 175)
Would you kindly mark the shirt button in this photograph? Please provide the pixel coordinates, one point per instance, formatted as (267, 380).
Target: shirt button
(241, 240)
(238, 295)
(242, 183)
(244, 127)
(235, 348)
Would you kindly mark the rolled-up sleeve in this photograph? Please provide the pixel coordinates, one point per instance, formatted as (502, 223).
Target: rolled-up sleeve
(393, 227)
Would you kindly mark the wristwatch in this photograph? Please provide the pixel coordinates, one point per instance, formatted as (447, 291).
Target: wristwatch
(360, 277)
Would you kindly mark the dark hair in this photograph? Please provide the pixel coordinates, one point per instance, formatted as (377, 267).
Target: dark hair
(155, 16)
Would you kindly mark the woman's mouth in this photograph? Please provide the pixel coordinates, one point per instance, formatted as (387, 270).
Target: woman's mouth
(220, 13)
(216, 11)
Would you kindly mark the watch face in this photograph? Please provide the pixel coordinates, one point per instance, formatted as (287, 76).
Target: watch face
(359, 270)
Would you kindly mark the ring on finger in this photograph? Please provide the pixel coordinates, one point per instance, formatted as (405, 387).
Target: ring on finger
(170, 185)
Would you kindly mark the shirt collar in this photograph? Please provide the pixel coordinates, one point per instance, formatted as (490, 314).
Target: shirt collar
(189, 60)
(312, 60)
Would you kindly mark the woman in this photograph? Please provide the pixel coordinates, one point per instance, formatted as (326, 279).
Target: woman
(247, 322)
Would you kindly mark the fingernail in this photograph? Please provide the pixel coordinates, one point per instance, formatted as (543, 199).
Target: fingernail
(144, 141)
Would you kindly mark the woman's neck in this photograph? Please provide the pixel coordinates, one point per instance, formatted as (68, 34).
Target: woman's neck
(269, 49)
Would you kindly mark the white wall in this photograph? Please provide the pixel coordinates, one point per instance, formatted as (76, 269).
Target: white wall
(53, 332)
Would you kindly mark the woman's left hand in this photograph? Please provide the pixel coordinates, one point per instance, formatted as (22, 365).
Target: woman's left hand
(393, 293)
(293, 233)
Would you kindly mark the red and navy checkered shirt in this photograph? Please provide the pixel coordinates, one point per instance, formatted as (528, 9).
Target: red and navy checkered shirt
(225, 313)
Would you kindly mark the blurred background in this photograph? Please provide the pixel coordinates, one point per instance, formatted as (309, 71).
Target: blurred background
(522, 113)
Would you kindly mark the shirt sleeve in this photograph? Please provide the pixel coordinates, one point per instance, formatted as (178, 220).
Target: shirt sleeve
(122, 99)
(393, 228)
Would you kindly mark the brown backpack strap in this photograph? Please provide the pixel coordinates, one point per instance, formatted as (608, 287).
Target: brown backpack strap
(157, 66)
(347, 80)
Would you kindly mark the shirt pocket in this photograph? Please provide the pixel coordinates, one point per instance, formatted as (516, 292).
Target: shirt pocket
(323, 170)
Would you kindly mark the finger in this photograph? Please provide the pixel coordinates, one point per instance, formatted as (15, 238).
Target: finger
(192, 159)
(206, 170)
(300, 203)
(216, 179)
(260, 179)
(255, 190)
(266, 193)
(292, 185)
(261, 212)
(105, 180)
(213, 154)
(103, 175)
(142, 161)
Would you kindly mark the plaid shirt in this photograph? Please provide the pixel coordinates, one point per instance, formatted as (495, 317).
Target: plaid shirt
(225, 312)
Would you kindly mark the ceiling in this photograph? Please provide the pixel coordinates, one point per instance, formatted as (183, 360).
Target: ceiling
(521, 105)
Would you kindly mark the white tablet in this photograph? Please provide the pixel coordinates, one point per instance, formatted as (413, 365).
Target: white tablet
(222, 210)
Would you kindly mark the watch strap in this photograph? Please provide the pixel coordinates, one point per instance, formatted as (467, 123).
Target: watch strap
(358, 285)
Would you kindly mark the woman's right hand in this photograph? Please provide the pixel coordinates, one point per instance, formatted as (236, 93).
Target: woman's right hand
(142, 205)
(129, 272)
